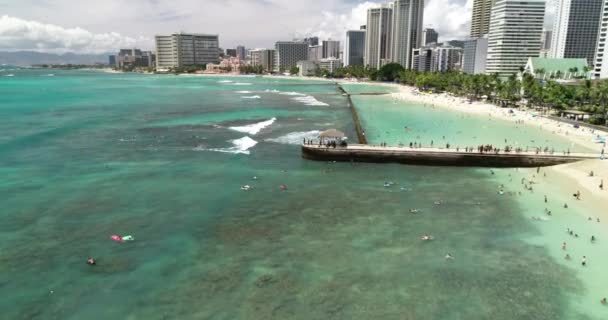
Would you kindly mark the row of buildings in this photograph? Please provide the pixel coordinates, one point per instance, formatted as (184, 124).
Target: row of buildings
(506, 34)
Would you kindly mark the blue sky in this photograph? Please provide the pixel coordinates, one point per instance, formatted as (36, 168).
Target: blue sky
(98, 26)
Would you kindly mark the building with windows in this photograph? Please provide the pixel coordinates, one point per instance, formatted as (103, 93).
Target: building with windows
(307, 68)
(480, 20)
(112, 61)
(354, 48)
(575, 29)
(262, 57)
(474, 56)
(436, 58)
(231, 53)
(288, 53)
(516, 28)
(406, 30)
(241, 52)
(378, 36)
(330, 64)
(331, 49)
(315, 53)
(422, 59)
(429, 36)
(600, 65)
(182, 49)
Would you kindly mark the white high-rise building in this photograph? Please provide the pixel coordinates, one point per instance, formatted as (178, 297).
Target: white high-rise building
(429, 35)
(288, 54)
(600, 65)
(378, 36)
(181, 49)
(474, 56)
(575, 29)
(516, 28)
(315, 53)
(407, 30)
(262, 57)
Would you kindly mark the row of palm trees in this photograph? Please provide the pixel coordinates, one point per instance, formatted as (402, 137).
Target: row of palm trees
(585, 96)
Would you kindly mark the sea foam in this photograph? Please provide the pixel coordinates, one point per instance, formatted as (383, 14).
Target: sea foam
(242, 84)
(292, 93)
(225, 81)
(252, 97)
(244, 92)
(310, 101)
(296, 138)
(254, 128)
(240, 146)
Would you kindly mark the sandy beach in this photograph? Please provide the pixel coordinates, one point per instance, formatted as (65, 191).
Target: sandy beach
(575, 175)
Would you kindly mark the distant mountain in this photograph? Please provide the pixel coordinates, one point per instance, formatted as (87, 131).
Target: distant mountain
(28, 58)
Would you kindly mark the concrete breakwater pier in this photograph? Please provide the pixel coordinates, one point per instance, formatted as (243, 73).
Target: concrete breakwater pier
(438, 157)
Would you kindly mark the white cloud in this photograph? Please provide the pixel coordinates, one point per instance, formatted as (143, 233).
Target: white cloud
(451, 19)
(334, 25)
(19, 34)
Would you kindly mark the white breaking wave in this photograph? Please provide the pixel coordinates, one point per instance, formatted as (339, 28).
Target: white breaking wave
(241, 146)
(242, 84)
(291, 94)
(225, 81)
(9, 75)
(49, 75)
(310, 101)
(244, 92)
(296, 137)
(273, 90)
(253, 129)
(252, 97)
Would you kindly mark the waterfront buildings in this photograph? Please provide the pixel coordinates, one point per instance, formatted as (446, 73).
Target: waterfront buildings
(515, 33)
(231, 52)
(288, 53)
(407, 30)
(331, 49)
(378, 36)
(600, 66)
(480, 20)
(263, 57)
(474, 56)
(330, 64)
(315, 53)
(429, 36)
(307, 68)
(227, 65)
(241, 52)
(354, 48)
(133, 58)
(575, 29)
(436, 58)
(182, 49)
(112, 61)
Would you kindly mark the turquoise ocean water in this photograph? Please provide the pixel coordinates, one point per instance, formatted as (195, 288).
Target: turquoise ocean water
(85, 155)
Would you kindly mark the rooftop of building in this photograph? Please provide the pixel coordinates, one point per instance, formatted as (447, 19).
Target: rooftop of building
(558, 64)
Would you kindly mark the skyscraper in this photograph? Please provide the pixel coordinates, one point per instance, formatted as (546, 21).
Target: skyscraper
(315, 53)
(378, 36)
(288, 54)
(354, 48)
(575, 29)
(429, 35)
(474, 56)
(480, 21)
(546, 40)
(516, 27)
(263, 57)
(331, 49)
(241, 52)
(600, 67)
(181, 49)
(312, 41)
(407, 30)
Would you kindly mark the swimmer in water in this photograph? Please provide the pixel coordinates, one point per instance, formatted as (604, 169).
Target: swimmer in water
(584, 261)
(567, 257)
(91, 261)
(604, 301)
(449, 256)
(564, 246)
(592, 238)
